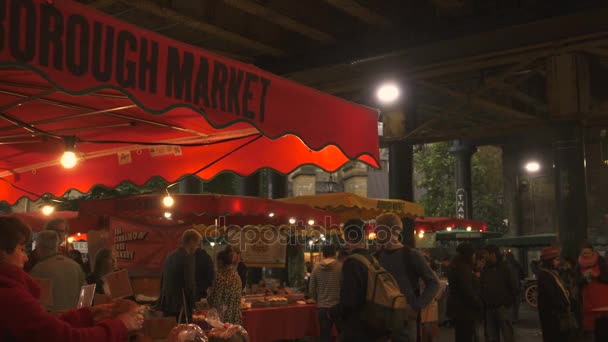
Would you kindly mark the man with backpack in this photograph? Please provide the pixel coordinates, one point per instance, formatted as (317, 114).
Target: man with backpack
(350, 311)
(408, 267)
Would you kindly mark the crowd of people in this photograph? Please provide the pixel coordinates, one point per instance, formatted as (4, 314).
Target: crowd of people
(482, 302)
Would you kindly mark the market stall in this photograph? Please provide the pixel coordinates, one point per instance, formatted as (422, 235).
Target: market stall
(100, 101)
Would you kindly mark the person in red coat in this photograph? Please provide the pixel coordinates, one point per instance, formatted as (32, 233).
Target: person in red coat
(593, 271)
(22, 318)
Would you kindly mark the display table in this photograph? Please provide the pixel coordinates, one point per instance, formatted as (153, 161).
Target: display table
(281, 323)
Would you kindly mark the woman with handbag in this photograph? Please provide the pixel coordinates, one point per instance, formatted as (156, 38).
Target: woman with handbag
(557, 322)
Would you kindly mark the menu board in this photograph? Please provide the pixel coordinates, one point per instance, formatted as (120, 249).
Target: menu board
(118, 284)
(46, 291)
(260, 246)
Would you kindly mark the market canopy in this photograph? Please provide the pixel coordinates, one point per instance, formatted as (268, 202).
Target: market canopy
(530, 241)
(37, 220)
(349, 205)
(437, 224)
(133, 104)
(209, 209)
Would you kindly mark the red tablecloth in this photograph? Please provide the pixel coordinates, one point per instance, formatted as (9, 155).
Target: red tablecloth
(281, 323)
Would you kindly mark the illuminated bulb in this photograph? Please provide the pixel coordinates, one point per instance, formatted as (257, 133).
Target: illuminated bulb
(167, 215)
(388, 93)
(78, 234)
(481, 230)
(311, 222)
(212, 244)
(469, 229)
(292, 220)
(421, 235)
(371, 236)
(323, 238)
(532, 166)
(311, 243)
(68, 159)
(449, 229)
(271, 215)
(168, 201)
(48, 210)
(70, 239)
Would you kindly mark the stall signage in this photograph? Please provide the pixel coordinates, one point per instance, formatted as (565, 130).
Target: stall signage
(260, 246)
(461, 200)
(57, 38)
(142, 246)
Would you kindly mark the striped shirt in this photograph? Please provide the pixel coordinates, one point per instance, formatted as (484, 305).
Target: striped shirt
(325, 283)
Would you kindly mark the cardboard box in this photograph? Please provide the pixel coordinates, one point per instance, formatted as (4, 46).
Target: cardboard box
(159, 328)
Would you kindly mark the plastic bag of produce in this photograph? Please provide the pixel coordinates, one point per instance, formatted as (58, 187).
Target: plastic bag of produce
(187, 333)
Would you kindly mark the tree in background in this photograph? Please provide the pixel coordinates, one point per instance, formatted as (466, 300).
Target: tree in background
(434, 169)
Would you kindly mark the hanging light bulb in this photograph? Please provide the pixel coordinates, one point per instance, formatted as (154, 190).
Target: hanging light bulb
(168, 201)
(449, 229)
(469, 229)
(292, 221)
(311, 222)
(212, 244)
(48, 209)
(271, 215)
(168, 215)
(69, 159)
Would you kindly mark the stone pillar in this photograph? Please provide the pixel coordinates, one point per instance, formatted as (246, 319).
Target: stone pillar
(304, 181)
(401, 171)
(570, 189)
(278, 185)
(248, 186)
(355, 178)
(191, 185)
(463, 152)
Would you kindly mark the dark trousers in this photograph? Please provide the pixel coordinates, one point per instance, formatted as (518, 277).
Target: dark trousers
(325, 324)
(498, 323)
(464, 330)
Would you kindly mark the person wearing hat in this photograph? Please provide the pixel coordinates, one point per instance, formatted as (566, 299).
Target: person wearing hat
(556, 319)
(465, 307)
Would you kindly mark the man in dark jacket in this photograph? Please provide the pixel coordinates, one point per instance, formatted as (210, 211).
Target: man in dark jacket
(408, 267)
(499, 290)
(178, 283)
(464, 301)
(349, 310)
(204, 273)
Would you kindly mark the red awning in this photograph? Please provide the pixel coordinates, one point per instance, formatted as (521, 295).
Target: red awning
(37, 220)
(223, 210)
(69, 71)
(436, 224)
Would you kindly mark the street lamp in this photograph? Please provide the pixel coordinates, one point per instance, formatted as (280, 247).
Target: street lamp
(388, 93)
(532, 166)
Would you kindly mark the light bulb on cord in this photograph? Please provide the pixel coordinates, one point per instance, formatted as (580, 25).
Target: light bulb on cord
(449, 229)
(271, 215)
(69, 159)
(167, 215)
(292, 220)
(168, 201)
(48, 210)
(469, 229)
(212, 244)
(388, 93)
(311, 222)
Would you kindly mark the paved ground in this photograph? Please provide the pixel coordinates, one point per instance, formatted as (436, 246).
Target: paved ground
(526, 330)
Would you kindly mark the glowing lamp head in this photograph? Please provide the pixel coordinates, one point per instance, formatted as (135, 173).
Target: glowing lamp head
(449, 229)
(168, 201)
(68, 159)
(532, 166)
(311, 222)
(310, 243)
(70, 239)
(271, 215)
(388, 93)
(420, 235)
(168, 215)
(48, 210)
(469, 229)
(292, 221)
(212, 244)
